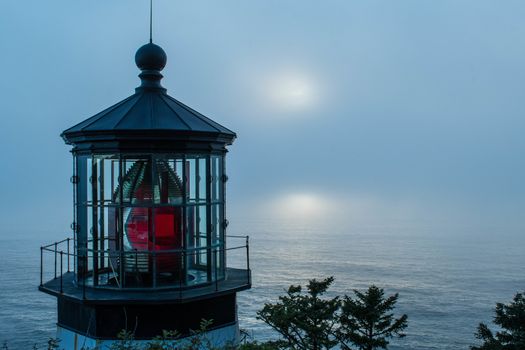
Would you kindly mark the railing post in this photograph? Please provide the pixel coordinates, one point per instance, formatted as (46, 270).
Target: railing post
(181, 259)
(61, 272)
(121, 268)
(137, 272)
(41, 266)
(248, 257)
(84, 279)
(215, 265)
(154, 269)
(68, 254)
(55, 260)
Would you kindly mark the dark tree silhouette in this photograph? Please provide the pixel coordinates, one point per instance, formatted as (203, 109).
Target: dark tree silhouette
(367, 321)
(306, 321)
(511, 319)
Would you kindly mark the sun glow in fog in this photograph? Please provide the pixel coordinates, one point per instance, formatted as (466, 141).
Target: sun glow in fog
(292, 91)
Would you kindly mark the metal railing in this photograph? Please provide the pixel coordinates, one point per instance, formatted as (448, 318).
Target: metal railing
(134, 269)
(59, 251)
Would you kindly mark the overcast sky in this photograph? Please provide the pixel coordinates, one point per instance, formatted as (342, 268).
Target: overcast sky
(378, 109)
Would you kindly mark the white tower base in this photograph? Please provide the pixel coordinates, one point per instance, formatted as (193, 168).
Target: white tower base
(218, 337)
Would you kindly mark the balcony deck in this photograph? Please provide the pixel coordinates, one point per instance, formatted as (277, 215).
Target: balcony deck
(64, 286)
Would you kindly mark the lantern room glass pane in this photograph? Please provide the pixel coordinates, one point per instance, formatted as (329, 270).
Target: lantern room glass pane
(192, 180)
(107, 234)
(168, 183)
(89, 178)
(217, 237)
(109, 170)
(89, 242)
(102, 178)
(135, 262)
(218, 260)
(197, 237)
(215, 225)
(81, 220)
(216, 176)
(196, 174)
(136, 183)
(202, 177)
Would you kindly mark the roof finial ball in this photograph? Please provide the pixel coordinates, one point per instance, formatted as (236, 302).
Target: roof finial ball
(151, 59)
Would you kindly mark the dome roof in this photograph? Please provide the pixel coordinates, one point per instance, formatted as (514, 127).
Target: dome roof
(149, 116)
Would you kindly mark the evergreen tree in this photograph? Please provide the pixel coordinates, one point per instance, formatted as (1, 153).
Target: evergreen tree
(367, 321)
(306, 321)
(511, 319)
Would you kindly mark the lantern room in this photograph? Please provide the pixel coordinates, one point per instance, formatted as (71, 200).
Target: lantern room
(150, 223)
(149, 189)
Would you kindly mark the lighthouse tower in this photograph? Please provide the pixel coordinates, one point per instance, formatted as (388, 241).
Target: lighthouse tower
(149, 250)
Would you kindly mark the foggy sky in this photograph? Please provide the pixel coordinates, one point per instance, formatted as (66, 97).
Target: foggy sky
(411, 108)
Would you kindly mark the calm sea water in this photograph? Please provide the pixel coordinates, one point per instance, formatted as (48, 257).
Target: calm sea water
(448, 279)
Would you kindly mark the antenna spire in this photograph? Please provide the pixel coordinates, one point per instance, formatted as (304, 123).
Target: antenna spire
(150, 21)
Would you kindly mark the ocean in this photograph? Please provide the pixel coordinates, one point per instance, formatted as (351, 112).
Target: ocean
(448, 279)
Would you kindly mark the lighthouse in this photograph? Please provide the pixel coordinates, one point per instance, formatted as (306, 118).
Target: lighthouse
(148, 250)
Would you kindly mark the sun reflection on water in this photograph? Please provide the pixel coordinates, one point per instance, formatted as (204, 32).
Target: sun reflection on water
(303, 206)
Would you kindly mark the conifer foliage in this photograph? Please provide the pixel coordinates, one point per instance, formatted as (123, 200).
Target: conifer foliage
(367, 320)
(511, 320)
(305, 321)
(311, 321)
